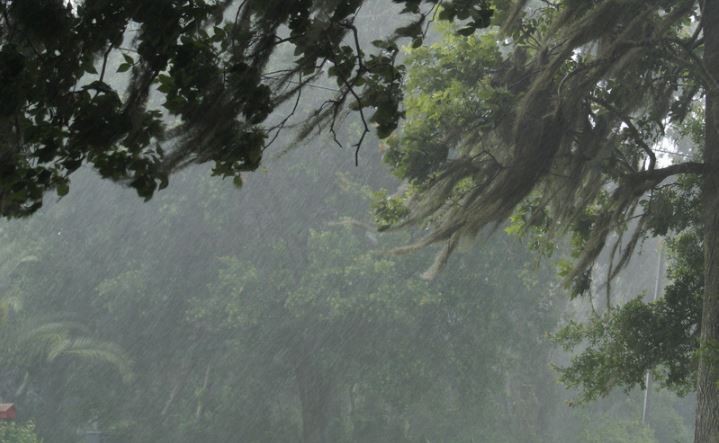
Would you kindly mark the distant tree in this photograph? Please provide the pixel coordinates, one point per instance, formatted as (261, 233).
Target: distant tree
(38, 347)
(18, 433)
(559, 119)
(358, 335)
(220, 347)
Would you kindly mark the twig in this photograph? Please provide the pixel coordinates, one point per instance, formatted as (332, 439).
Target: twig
(284, 121)
(104, 62)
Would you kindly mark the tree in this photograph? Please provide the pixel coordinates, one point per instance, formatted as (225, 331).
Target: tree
(40, 347)
(207, 59)
(14, 433)
(218, 329)
(569, 105)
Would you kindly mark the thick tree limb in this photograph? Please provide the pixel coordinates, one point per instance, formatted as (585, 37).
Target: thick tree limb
(656, 176)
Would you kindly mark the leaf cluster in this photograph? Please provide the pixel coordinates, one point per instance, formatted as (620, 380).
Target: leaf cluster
(97, 82)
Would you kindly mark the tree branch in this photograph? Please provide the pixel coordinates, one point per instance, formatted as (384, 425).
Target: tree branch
(632, 128)
(656, 176)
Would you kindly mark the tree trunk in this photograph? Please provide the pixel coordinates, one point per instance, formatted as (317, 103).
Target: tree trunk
(707, 413)
(315, 397)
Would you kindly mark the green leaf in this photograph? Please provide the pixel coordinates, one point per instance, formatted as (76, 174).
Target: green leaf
(63, 188)
(220, 33)
(466, 31)
(89, 67)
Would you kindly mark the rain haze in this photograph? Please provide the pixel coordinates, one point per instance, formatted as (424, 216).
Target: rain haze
(370, 221)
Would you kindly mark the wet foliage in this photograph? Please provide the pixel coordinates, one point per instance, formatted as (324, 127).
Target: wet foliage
(282, 311)
(190, 83)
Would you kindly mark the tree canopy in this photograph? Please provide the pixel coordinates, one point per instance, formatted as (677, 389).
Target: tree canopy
(565, 126)
(560, 121)
(196, 84)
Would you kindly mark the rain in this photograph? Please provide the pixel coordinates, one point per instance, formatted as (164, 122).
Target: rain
(370, 221)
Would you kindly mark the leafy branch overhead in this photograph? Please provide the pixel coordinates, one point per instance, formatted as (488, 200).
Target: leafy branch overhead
(97, 81)
(562, 112)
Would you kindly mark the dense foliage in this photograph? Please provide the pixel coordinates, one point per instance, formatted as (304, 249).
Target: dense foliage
(559, 121)
(618, 347)
(196, 83)
(558, 129)
(555, 120)
(11, 432)
(262, 332)
(280, 322)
